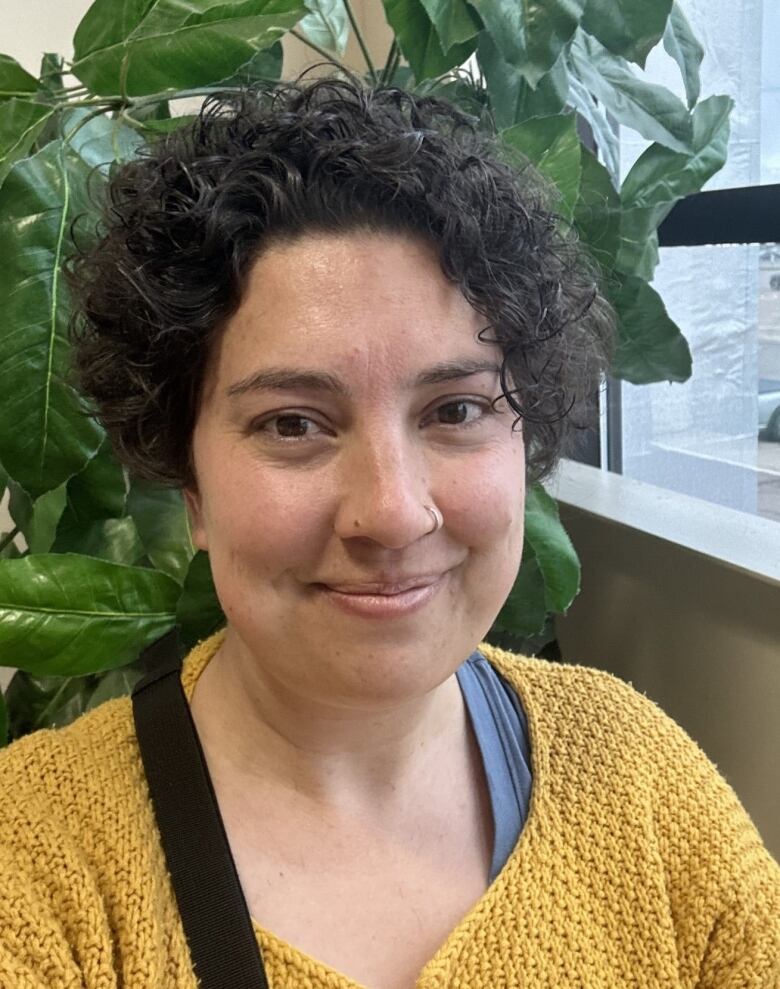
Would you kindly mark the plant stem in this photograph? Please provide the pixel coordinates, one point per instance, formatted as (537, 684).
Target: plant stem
(16, 94)
(388, 63)
(106, 102)
(116, 102)
(181, 94)
(9, 537)
(360, 41)
(394, 66)
(321, 51)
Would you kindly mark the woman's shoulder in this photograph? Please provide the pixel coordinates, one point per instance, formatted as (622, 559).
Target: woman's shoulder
(68, 778)
(598, 719)
(589, 704)
(598, 732)
(623, 784)
(82, 874)
(607, 751)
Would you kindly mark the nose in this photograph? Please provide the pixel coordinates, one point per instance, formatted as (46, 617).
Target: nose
(384, 488)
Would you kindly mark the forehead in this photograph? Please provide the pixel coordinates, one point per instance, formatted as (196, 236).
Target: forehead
(364, 305)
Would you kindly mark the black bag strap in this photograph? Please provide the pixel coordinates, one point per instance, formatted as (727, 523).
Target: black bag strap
(223, 946)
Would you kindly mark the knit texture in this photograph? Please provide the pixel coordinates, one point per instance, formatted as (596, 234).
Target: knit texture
(637, 866)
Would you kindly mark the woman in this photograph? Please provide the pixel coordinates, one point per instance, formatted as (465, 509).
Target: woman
(351, 334)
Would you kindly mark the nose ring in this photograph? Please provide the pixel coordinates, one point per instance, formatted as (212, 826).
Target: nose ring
(436, 515)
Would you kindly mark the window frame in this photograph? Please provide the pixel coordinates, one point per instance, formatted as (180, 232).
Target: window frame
(594, 482)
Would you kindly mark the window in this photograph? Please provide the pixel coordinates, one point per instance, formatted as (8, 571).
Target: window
(717, 436)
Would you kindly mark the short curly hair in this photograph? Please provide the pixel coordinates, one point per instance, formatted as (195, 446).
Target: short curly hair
(184, 220)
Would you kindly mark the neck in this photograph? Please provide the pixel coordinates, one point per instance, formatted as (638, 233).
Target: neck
(255, 729)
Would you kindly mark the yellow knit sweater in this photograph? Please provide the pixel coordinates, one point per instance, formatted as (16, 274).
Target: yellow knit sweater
(637, 865)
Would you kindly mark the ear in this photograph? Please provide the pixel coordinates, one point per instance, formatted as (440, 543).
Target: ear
(192, 503)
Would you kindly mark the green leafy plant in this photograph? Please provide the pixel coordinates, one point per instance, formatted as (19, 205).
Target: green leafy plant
(96, 564)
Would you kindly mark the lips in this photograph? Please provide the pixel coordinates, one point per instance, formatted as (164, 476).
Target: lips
(382, 600)
(382, 587)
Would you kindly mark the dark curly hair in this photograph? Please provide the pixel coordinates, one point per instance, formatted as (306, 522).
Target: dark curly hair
(183, 222)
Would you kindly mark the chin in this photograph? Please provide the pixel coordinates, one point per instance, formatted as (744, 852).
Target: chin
(388, 671)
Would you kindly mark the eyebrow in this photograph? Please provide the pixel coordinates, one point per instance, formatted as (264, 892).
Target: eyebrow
(299, 379)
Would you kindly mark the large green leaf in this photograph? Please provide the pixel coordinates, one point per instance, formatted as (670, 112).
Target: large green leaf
(525, 610)
(14, 80)
(68, 614)
(52, 84)
(42, 526)
(198, 612)
(652, 110)
(530, 34)
(553, 145)
(264, 66)
(37, 519)
(20, 124)
(549, 575)
(638, 250)
(419, 41)
(92, 522)
(108, 22)
(511, 97)
(555, 555)
(9, 550)
(52, 79)
(39, 200)
(631, 28)
(326, 24)
(683, 46)
(660, 177)
(99, 491)
(603, 127)
(115, 683)
(454, 20)
(20, 504)
(139, 47)
(115, 540)
(597, 214)
(57, 439)
(161, 519)
(99, 142)
(650, 346)
(36, 702)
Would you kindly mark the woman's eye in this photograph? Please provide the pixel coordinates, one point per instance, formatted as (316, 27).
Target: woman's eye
(459, 413)
(292, 426)
(288, 427)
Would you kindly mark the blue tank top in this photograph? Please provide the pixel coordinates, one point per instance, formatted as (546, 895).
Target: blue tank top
(501, 730)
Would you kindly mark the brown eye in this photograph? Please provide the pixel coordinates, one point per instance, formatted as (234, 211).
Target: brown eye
(457, 413)
(291, 426)
(453, 413)
(288, 426)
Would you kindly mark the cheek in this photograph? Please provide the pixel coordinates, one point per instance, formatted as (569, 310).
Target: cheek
(260, 521)
(484, 506)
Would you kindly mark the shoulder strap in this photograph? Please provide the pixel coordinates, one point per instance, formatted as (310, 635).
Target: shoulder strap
(223, 947)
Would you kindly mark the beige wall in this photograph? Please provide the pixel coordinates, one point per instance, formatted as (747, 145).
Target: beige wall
(370, 17)
(699, 638)
(36, 26)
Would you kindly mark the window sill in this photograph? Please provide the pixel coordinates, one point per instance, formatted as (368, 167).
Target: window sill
(745, 542)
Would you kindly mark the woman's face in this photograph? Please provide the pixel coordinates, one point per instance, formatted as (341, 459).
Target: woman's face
(347, 392)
